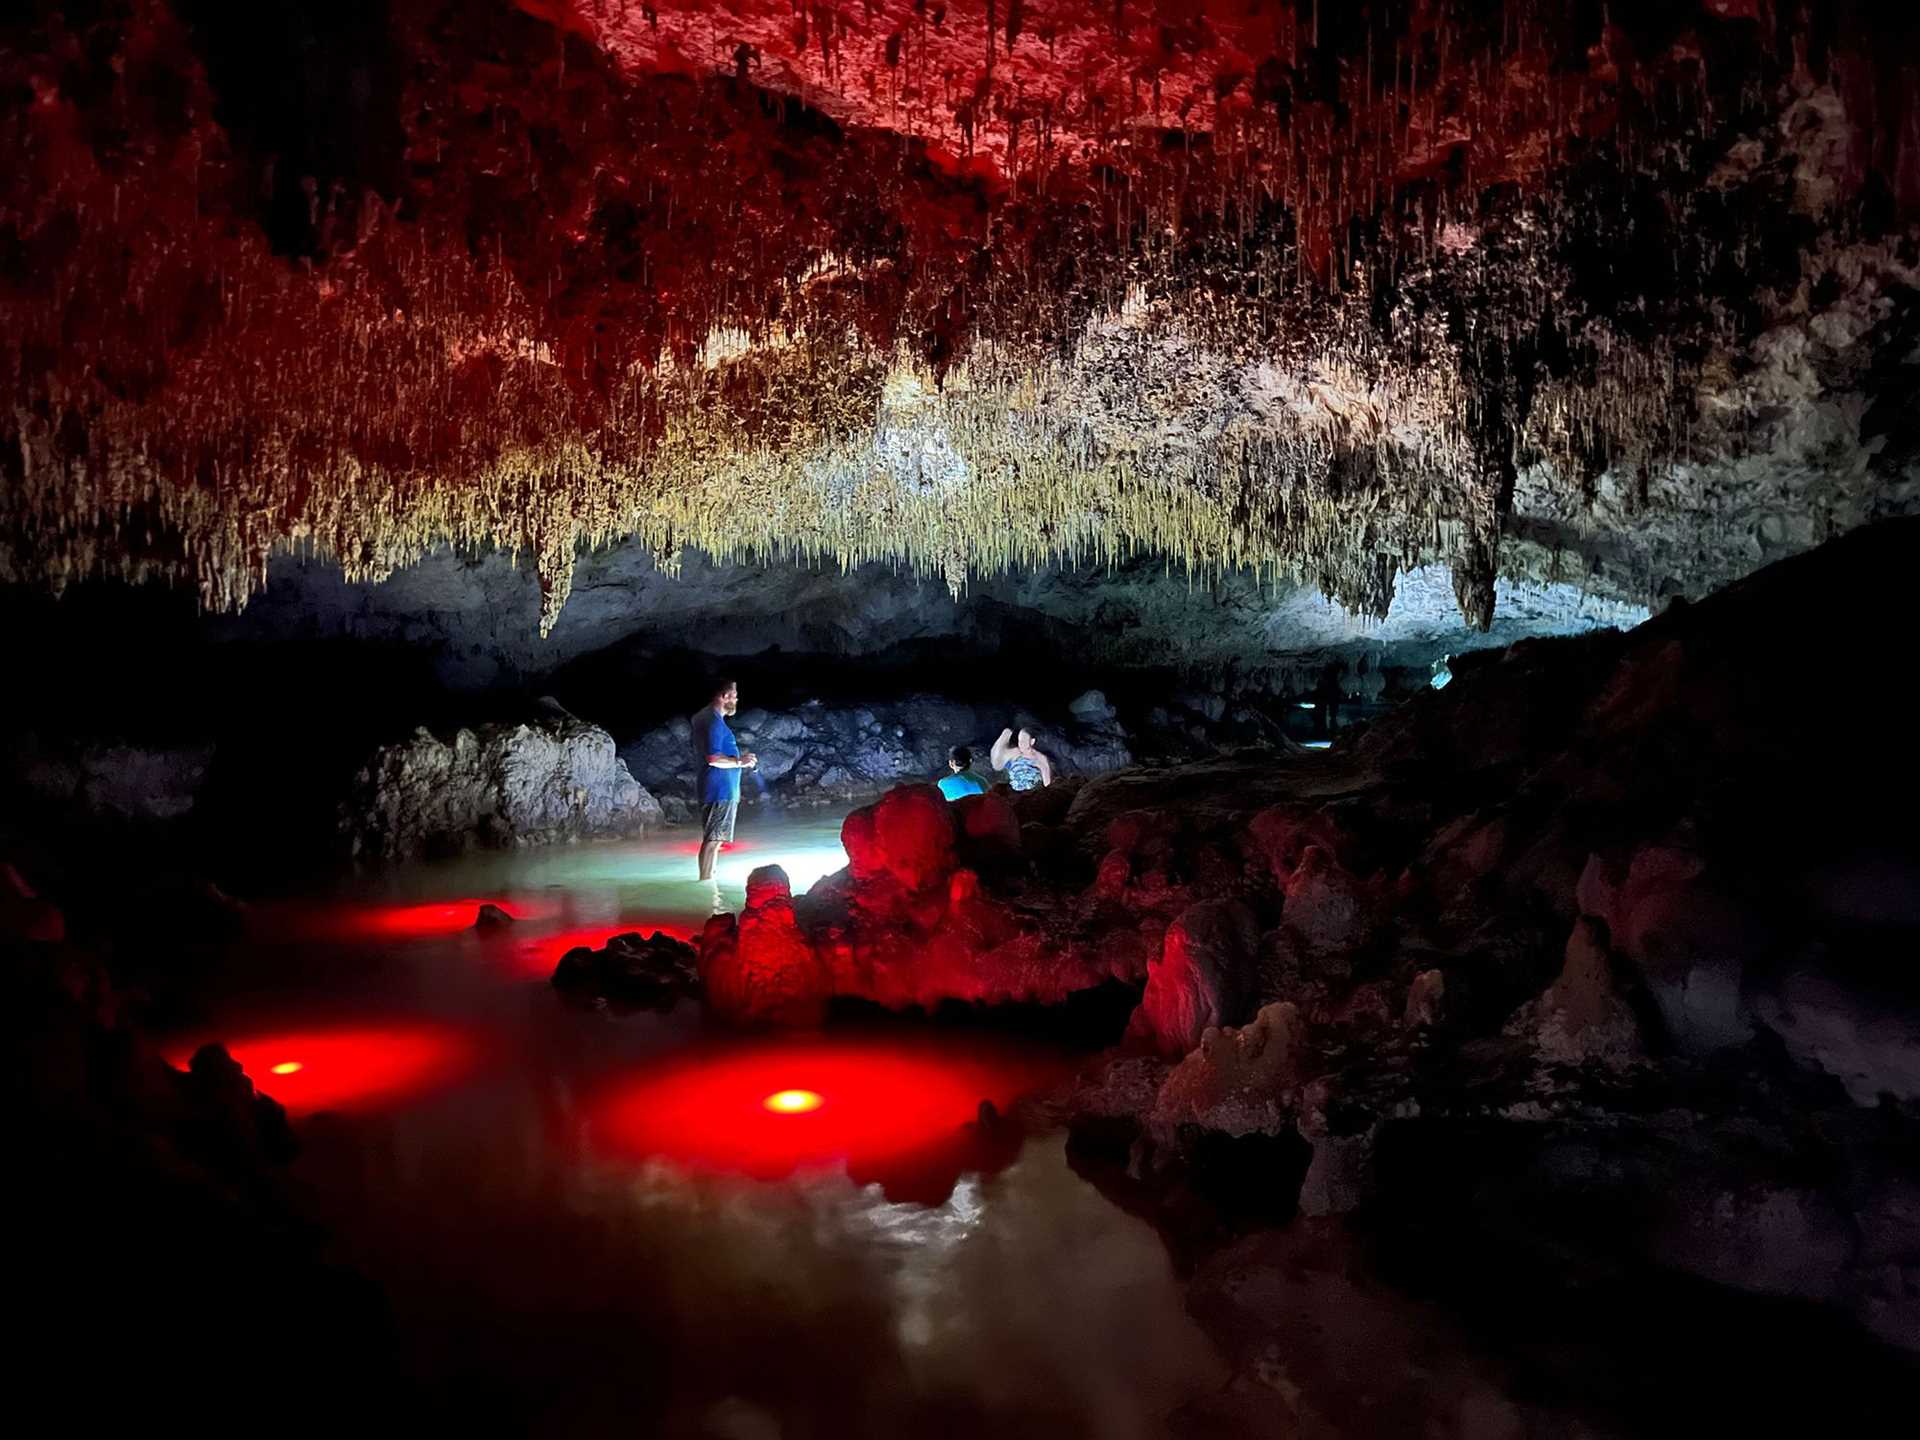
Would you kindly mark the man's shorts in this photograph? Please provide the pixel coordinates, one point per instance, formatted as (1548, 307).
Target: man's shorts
(716, 821)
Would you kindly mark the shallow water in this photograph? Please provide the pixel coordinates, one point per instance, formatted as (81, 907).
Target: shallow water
(589, 1223)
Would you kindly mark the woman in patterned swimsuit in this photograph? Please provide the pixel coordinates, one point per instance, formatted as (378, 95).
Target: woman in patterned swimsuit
(1026, 767)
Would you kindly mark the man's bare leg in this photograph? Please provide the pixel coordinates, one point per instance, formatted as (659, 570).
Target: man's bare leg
(708, 850)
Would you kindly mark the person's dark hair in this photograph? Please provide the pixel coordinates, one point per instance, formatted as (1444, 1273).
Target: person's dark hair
(720, 687)
(960, 757)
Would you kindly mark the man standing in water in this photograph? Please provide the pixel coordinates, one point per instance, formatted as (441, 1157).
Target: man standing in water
(717, 756)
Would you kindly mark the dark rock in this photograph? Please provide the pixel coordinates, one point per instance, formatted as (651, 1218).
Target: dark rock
(1327, 911)
(24, 915)
(1865, 1036)
(652, 971)
(118, 779)
(1692, 943)
(819, 753)
(491, 917)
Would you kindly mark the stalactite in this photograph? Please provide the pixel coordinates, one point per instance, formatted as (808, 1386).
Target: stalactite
(1319, 338)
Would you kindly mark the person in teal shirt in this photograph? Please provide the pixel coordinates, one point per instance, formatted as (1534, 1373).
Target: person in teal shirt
(962, 781)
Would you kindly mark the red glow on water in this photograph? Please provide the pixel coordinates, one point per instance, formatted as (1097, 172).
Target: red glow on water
(347, 1069)
(450, 917)
(896, 1112)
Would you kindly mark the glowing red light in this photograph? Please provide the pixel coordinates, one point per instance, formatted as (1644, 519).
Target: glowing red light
(348, 1069)
(425, 921)
(792, 1102)
(889, 1111)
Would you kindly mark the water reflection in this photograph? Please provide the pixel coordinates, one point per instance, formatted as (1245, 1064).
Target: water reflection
(591, 1225)
(900, 1110)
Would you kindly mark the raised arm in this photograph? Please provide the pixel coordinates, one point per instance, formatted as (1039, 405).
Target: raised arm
(1002, 750)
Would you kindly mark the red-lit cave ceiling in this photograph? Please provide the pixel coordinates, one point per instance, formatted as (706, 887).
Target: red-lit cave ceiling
(1618, 292)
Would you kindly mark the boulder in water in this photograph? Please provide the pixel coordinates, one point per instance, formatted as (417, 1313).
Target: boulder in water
(645, 971)
(555, 778)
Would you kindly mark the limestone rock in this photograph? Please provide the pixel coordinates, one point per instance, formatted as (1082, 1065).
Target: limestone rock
(1236, 1081)
(1327, 910)
(1690, 942)
(555, 778)
(907, 835)
(1200, 980)
(1580, 1017)
(1426, 998)
(763, 967)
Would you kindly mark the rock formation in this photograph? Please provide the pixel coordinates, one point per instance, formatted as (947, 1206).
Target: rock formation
(820, 753)
(150, 1182)
(650, 972)
(914, 920)
(1598, 907)
(553, 779)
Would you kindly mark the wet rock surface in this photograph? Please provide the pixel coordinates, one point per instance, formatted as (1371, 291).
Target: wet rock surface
(552, 779)
(635, 971)
(1541, 956)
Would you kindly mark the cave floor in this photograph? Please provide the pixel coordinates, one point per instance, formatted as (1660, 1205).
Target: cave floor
(590, 1222)
(587, 1222)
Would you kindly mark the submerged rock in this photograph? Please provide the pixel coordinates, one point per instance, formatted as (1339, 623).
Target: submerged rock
(555, 778)
(651, 971)
(491, 917)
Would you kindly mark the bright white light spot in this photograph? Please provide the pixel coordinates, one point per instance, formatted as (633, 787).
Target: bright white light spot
(804, 864)
(792, 1102)
(1305, 704)
(286, 1067)
(1317, 744)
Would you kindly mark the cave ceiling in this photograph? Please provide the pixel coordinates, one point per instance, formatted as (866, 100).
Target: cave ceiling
(1617, 293)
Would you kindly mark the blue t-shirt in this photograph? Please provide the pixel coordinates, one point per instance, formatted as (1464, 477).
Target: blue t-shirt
(964, 783)
(713, 736)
